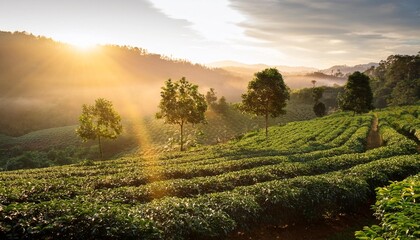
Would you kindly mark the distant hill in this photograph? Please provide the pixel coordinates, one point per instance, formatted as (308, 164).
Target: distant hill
(346, 70)
(283, 69)
(294, 77)
(43, 83)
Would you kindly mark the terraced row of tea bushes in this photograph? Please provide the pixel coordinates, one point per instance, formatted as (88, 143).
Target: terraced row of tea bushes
(404, 119)
(292, 134)
(205, 155)
(398, 208)
(231, 180)
(73, 220)
(209, 155)
(287, 201)
(131, 189)
(216, 214)
(40, 189)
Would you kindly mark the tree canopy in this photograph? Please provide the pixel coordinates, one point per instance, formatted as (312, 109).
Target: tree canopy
(99, 121)
(396, 81)
(357, 95)
(181, 103)
(266, 95)
(319, 107)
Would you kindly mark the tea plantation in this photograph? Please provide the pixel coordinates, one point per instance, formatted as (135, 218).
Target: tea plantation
(302, 172)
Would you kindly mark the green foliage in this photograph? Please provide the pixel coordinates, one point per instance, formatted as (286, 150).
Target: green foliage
(357, 96)
(267, 95)
(395, 81)
(317, 93)
(73, 220)
(62, 146)
(181, 103)
(99, 121)
(222, 106)
(211, 98)
(307, 170)
(399, 211)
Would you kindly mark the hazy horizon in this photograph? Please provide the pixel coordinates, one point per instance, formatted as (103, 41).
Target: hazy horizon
(290, 33)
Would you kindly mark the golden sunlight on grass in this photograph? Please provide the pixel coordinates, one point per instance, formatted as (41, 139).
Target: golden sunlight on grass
(125, 96)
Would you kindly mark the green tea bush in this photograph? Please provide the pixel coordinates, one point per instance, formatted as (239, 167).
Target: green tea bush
(397, 207)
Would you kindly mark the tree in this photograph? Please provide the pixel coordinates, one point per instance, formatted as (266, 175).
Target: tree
(99, 121)
(211, 98)
(222, 106)
(317, 93)
(181, 103)
(395, 80)
(357, 95)
(266, 96)
(313, 82)
(319, 109)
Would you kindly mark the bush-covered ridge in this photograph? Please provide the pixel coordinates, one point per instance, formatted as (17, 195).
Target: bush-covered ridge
(304, 170)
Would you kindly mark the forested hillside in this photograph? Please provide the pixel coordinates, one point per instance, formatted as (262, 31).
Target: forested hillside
(396, 81)
(44, 83)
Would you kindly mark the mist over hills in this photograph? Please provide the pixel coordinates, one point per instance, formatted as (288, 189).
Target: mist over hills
(296, 77)
(43, 83)
(344, 69)
(281, 68)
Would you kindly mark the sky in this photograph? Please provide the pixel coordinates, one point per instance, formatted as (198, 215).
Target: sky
(313, 33)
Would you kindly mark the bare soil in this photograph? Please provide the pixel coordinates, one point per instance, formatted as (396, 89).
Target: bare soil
(374, 139)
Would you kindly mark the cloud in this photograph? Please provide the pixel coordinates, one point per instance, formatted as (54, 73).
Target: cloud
(314, 30)
(213, 20)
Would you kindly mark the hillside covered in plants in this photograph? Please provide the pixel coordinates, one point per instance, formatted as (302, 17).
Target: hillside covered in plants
(304, 171)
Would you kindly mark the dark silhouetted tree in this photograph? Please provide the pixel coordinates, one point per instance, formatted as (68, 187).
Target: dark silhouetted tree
(313, 82)
(181, 103)
(319, 109)
(357, 95)
(266, 96)
(99, 121)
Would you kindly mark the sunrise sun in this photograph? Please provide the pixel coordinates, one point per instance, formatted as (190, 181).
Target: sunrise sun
(81, 43)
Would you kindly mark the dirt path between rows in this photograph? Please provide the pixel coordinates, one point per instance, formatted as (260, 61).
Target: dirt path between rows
(374, 139)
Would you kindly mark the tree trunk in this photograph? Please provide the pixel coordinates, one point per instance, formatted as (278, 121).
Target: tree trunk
(182, 135)
(266, 126)
(100, 146)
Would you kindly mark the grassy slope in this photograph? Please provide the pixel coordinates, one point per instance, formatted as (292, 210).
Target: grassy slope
(148, 136)
(305, 170)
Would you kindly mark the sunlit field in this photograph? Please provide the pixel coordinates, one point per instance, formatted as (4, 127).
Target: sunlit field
(304, 171)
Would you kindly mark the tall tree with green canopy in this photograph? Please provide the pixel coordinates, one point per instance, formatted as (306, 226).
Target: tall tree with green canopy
(357, 95)
(99, 121)
(266, 96)
(181, 103)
